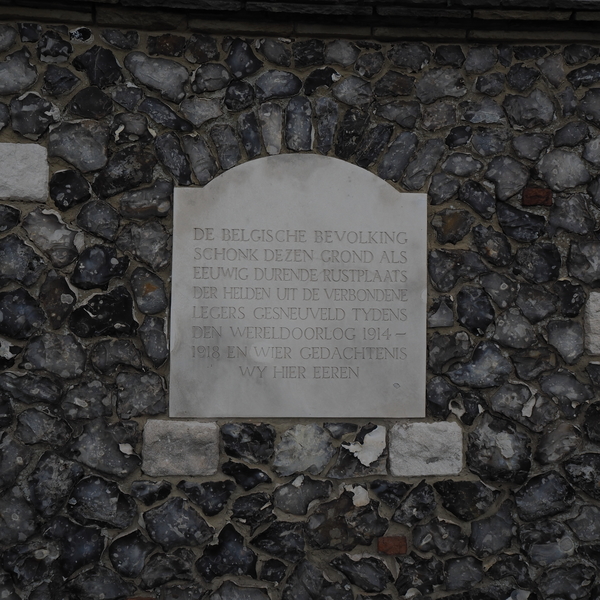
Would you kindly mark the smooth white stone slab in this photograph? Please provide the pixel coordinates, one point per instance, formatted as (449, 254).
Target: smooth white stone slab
(24, 172)
(180, 448)
(419, 449)
(592, 323)
(272, 214)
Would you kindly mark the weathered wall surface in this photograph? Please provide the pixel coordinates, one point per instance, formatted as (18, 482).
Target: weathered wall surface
(503, 138)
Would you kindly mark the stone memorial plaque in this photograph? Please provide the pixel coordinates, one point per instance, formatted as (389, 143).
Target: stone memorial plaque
(299, 290)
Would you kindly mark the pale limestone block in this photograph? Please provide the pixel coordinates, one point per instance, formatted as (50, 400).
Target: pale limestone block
(24, 172)
(419, 449)
(180, 448)
(592, 323)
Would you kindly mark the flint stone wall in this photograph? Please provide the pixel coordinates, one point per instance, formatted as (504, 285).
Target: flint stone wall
(503, 138)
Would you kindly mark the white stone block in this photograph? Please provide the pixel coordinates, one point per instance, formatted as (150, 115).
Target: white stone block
(419, 449)
(180, 448)
(23, 172)
(592, 323)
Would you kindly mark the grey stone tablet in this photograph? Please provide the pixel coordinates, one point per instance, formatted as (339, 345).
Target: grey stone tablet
(299, 290)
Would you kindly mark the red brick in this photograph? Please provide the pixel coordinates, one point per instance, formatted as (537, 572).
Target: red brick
(537, 197)
(392, 544)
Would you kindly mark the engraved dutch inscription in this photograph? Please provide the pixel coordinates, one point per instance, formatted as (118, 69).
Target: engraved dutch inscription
(299, 290)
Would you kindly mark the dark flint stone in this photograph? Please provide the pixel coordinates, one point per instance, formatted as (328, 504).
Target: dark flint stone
(494, 533)
(201, 48)
(298, 124)
(439, 392)
(164, 115)
(244, 476)
(478, 198)
(295, 497)
(531, 145)
(529, 52)
(126, 169)
(128, 128)
(440, 537)
(501, 289)
(544, 496)
(174, 523)
(100, 218)
(326, 111)
(171, 155)
(568, 390)
(567, 338)
(451, 225)
(339, 524)
(339, 430)
(518, 224)
(228, 556)
(210, 78)
(463, 573)
(21, 314)
(154, 340)
(249, 133)
(308, 53)
(441, 314)
(195, 591)
(571, 214)
(397, 157)
(16, 73)
(438, 116)
(413, 55)
(276, 52)
(31, 115)
(485, 455)
(571, 134)
(458, 136)
(91, 103)
(241, 60)
(127, 95)
(51, 48)
(539, 262)
(19, 262)
(239, 95)
(353, 91)
(491, 84)
(96, 266)
(486, 143)
(9, 217)
(30, 563)
(530, 365)
(572, 581)
(350, 132)
(480, 59)
(511, 565)
(273, 570)
(88, 549)
(439, 83)
(98, 447)
(210, 496)
(394, 84)
(474, 309)
(8, 356)
(100, 65)
(348, 463)
(584, 76)
(583, 471)
(591, 423)
(128, 553)
(81, 35)
(582, 262)
(535, 303)
(29, 32)
(405, 114)
(449, 55)
(468, 500)
(546, 542)
(127, 40)
(369, 64)
(529, 111)
(422, 574)
(418, 505)
(231, 591)
(585, 525)
(149, 243)
(368, 573)
(521, 78)
(154, 201)
(423, 164)
(390, 492)
(375, 140)
(324, 77)
(61, 355)
(99, 582)
(88, 401)
(447, 267)
(593, 371)
(68, 188)
(228, 148)
(30, 388)
(96, 501)
(162, 568)
(514, 402)
(150, 492)
(107, 354)
(149, 291)
(277, 84)
(442, 188)
(443, 348)
(13, 459)
(513, 330)
(253, 510)
(307, 581)
(576, 54)
(282, 539)
(40, 426)
(140, 394)
(249, 442)
(167, 44)
(201, 158)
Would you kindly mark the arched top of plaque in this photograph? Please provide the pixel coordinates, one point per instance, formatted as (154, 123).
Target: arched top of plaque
(299, 290)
